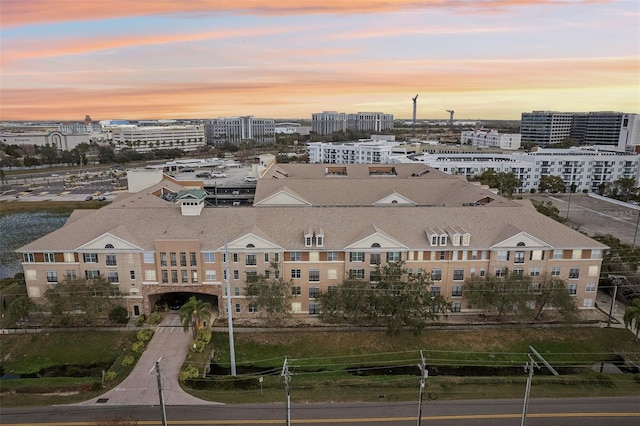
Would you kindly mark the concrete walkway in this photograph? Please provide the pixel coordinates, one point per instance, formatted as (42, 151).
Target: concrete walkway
(170, 345)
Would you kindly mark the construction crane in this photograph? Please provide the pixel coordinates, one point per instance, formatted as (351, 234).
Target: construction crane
(415, 101)
(450, 111)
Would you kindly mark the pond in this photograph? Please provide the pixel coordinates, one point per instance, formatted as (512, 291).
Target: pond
(19, 229)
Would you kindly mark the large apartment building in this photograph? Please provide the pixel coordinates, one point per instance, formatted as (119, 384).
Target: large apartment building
(318, 224)
(236, 130)
(327, 122)
(545, 128)
(362, 152)
(148, 138)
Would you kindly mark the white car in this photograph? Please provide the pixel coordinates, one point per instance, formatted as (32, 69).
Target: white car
(218, 175)
(250, 179)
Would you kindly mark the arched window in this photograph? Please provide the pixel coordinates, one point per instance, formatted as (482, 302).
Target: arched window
(520, 244)
(375, 245)
(108, 246)
(250, 246)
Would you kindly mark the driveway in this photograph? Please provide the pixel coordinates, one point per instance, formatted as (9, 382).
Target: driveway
(169, 344)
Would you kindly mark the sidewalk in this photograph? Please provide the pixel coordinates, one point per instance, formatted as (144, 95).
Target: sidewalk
(603, 302)
(169, 345)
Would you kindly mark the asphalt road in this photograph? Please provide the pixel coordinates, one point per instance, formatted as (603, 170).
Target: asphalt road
(542, 412)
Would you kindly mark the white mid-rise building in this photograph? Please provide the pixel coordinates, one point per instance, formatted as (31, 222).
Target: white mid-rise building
(490, 139)
(236, 130)
(149, 138)
(585, 167)
(365, 151)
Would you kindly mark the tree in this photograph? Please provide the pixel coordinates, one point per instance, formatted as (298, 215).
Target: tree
(50, 154)
(350, 302)
(620, 258)
(271, 296)
(505, 182)
(552, 291)
(548, 209)
(622, 189)
(551, 183)
(19, 308)
(632, 316)
(193, 314)
(75, 302)
(504, 295)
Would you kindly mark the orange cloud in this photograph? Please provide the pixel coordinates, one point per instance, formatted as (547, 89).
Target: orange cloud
(484, 85)
(25, 12)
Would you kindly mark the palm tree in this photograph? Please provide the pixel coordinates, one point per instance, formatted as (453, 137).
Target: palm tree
(193, 313)
(632, 316)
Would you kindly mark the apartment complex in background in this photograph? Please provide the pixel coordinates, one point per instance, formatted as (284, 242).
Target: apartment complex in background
(483, 138)
(143, 138)
(327, 122)
(545, 128)
(236, 130)
(314, 225)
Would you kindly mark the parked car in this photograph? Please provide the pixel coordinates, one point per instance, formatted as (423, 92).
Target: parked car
(250, 179)
(203, 175)
(218, 175)
(102, 198)
(187, 170)
(89, 198)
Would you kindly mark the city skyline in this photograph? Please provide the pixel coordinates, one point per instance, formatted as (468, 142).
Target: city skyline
(494, 59)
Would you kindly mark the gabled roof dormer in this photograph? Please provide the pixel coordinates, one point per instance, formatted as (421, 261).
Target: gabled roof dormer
(191, 201)
(395, 199)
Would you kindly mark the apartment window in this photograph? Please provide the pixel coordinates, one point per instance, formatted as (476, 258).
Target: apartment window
(112, 277)
(374, 259)
(174, 277)
(276, 257)
(356, 256)
(557, 254)
(574, 273)
(295, 273)
(536, 255)
(183, 259)
(210, 275)
(173, 258)
(314, 308)
(576, 254)
(443, 240)
(519, 257)
(456, 291)
(149, 275)
(250, 259)
(71, 274)
(472, 272)
(236, 291)
(236, 274)
(238, 308)
(482, 272)
(266, 258)
(314, 275)
(110, 260)
(163, 259)
(357, 274)
(194, 277)
(296, 290)
(409, 272)
(534, 272)
(591, 286)
(252, 276)
(185, 276)
(593, 271)
(295, 256)
(572, 288)
(52, 277)
(192, 259)
(252, 308)
(555, 271)
(234, 257)
(30, 275)
(443, 255)
(267, 274)
(319, 240)
(502, 255)
(434, 290)
(456, 306)
(501, 272)
(92, 274)
(393, 256)
(296, 307)
(587, 303)
(436, 274)
(209, 257)
(474, 255)
(314, 292)
(149, 257)
(332, 274)
(132, 275)
(332, 256)
(434, 240)
(87, 257)
(518, 271)
(28, 258)
(458, 274)
(596, 254)
(165, 276)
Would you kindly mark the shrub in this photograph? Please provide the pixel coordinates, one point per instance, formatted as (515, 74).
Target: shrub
(155, 318)
(196, 346)
(127, 361)
(111, 375)
(138, 347)
(205, 336)
(144, 335)
(189, 372)
(140, 320)
(119, 314)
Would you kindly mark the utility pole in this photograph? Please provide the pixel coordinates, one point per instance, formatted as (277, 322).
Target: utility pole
(159, 377)
(232, 349)
(528, 368)
(287, 379)
(615, 279)
(424, 373)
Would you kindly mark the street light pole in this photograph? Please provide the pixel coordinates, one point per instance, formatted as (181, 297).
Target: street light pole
(635, 235)
(615, 279)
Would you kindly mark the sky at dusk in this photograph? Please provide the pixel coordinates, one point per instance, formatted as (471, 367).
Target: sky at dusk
(170, 59)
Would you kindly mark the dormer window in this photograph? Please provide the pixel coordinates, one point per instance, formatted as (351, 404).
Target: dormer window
(456, 239)
(466, 239)
(320, 240)
(434, 240)
(443, 240)
(308, 240)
